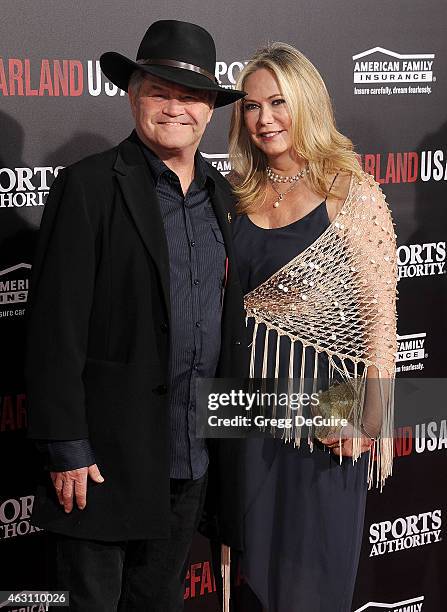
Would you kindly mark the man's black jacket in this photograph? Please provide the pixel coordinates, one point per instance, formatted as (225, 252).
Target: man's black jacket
(98, 347)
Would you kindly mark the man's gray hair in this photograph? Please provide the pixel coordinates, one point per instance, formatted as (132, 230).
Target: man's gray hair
(136, 79)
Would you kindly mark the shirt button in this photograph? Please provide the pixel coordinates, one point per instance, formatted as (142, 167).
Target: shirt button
(196, 281)
(197, 323)
(195, 367)
(193, 243)
(164, 327)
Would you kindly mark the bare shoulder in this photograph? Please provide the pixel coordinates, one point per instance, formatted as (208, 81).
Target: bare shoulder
(342, 183)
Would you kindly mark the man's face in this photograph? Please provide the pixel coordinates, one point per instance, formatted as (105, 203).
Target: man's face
(170, 118)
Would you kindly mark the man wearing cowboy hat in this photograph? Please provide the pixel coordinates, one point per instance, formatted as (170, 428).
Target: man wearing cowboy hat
(134, 296)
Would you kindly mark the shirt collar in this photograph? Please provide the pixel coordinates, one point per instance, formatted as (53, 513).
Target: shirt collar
(157, 167)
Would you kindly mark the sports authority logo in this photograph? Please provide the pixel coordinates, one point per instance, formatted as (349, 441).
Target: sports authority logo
(406, 166)
(14, 517)
(26, 186)
(426, 259)
(219, 161)
(75, 77)
(227, 74)
(14, 283)
(405, 533)
(411, 348)
(396, 71)
(409, 605)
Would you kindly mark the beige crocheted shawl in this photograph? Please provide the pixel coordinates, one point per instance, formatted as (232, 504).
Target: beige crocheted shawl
(339, 297)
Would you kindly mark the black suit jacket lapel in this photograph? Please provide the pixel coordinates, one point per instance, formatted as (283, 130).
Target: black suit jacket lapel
(139, 194)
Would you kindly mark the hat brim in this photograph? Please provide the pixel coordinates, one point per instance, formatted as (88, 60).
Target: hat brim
(118, 69)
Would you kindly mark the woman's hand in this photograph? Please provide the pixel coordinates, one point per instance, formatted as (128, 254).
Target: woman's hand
(341, 443)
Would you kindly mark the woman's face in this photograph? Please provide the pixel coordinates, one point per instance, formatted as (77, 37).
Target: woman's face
(266, 115)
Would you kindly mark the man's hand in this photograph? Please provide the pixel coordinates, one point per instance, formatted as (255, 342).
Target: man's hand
(74, 481)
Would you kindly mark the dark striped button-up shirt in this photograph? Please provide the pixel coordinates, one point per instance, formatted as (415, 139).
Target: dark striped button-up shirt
(197, 270)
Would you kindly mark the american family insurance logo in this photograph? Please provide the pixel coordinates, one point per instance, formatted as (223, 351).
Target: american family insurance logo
(14, 284)
(379, 71)
(411, 352)
(406, 166)
(408, 605)
(74, 77)
(219, 161)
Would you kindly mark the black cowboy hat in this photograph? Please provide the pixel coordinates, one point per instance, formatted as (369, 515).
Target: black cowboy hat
(176, 51)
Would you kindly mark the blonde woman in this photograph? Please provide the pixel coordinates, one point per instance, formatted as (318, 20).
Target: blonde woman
(315, 247)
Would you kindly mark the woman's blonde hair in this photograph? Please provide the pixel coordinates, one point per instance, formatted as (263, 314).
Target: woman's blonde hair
(314, 134)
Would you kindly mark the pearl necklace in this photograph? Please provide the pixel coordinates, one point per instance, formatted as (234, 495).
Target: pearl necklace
(276, 178)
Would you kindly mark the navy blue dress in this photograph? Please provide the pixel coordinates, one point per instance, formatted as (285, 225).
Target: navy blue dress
(304, 511)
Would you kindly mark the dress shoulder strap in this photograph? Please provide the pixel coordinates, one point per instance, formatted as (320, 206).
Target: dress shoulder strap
(330, 188)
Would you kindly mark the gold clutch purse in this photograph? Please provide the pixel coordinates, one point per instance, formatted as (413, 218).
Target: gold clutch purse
(334, 409)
